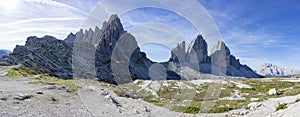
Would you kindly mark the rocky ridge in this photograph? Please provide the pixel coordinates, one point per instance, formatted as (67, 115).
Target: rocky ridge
(112, 55)
(271, 70)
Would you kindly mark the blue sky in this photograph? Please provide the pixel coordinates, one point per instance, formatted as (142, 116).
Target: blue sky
(256, 31)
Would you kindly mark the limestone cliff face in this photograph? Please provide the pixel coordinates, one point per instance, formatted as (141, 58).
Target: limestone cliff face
(109, 54)
(112, 55)
(197, 51)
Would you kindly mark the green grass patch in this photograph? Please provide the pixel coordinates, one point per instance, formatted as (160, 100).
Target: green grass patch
(54, 99)
(21, 71)
(154, 101)
(41, 79)
(222, 106)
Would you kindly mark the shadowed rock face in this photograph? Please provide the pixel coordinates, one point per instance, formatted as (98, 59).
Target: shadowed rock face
(197, 51)
(109, 54)
(46, 55)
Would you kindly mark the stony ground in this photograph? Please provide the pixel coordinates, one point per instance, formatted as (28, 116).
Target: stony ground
(20, 98)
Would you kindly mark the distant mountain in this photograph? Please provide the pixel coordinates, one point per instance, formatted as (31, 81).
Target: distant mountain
(112, 55)
(4, 52)
(271, 70)
(220, 62)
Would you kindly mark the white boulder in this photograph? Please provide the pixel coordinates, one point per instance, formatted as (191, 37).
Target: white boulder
(272, 92)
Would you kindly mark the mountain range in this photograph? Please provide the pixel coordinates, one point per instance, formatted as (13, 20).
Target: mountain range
(271, 70)
(4, 52)
(112, 55)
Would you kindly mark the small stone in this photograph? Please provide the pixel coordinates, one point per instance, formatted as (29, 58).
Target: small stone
(273, 92)
(62, 88)
(23, 97)
(17, 108)
(16, 102)
(104, 93)
(4, 98)
(50, 87)
(108, 96)
(137, 112)
(244, 112)
(147, 109)
(254, 99)
(39, 92)
(254, 105)
(135, 96)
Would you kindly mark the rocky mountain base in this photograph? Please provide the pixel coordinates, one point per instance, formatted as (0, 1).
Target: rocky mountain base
(41, 95)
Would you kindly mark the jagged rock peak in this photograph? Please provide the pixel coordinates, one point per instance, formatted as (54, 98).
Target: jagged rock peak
(197, 50)
(70, 37)
(113, 22)
(178, 53)
(220, 46)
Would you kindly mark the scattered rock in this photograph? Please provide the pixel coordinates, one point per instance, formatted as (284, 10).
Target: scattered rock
(254, 105)
(3, 73)
(62, 88)
(3, 98)
(273, 92)
(115, 102)
(244, 112)
(147, 109)
(108, 96)
(104, 93)
(50, 87)
(17, 108)
(137, 112)
(135, 96)
(16, 102)
(39, 92)
(23, 96)
(254, 99)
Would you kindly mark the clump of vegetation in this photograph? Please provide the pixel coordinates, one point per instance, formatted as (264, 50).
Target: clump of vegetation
(192, 109)
(21, 71)
(54, 99)
(50, 80)
(120, 93)
(154, 101)
(281, 106)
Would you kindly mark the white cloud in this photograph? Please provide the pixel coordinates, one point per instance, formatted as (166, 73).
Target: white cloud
(38, 17)
(40, 20)
(57, 4)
